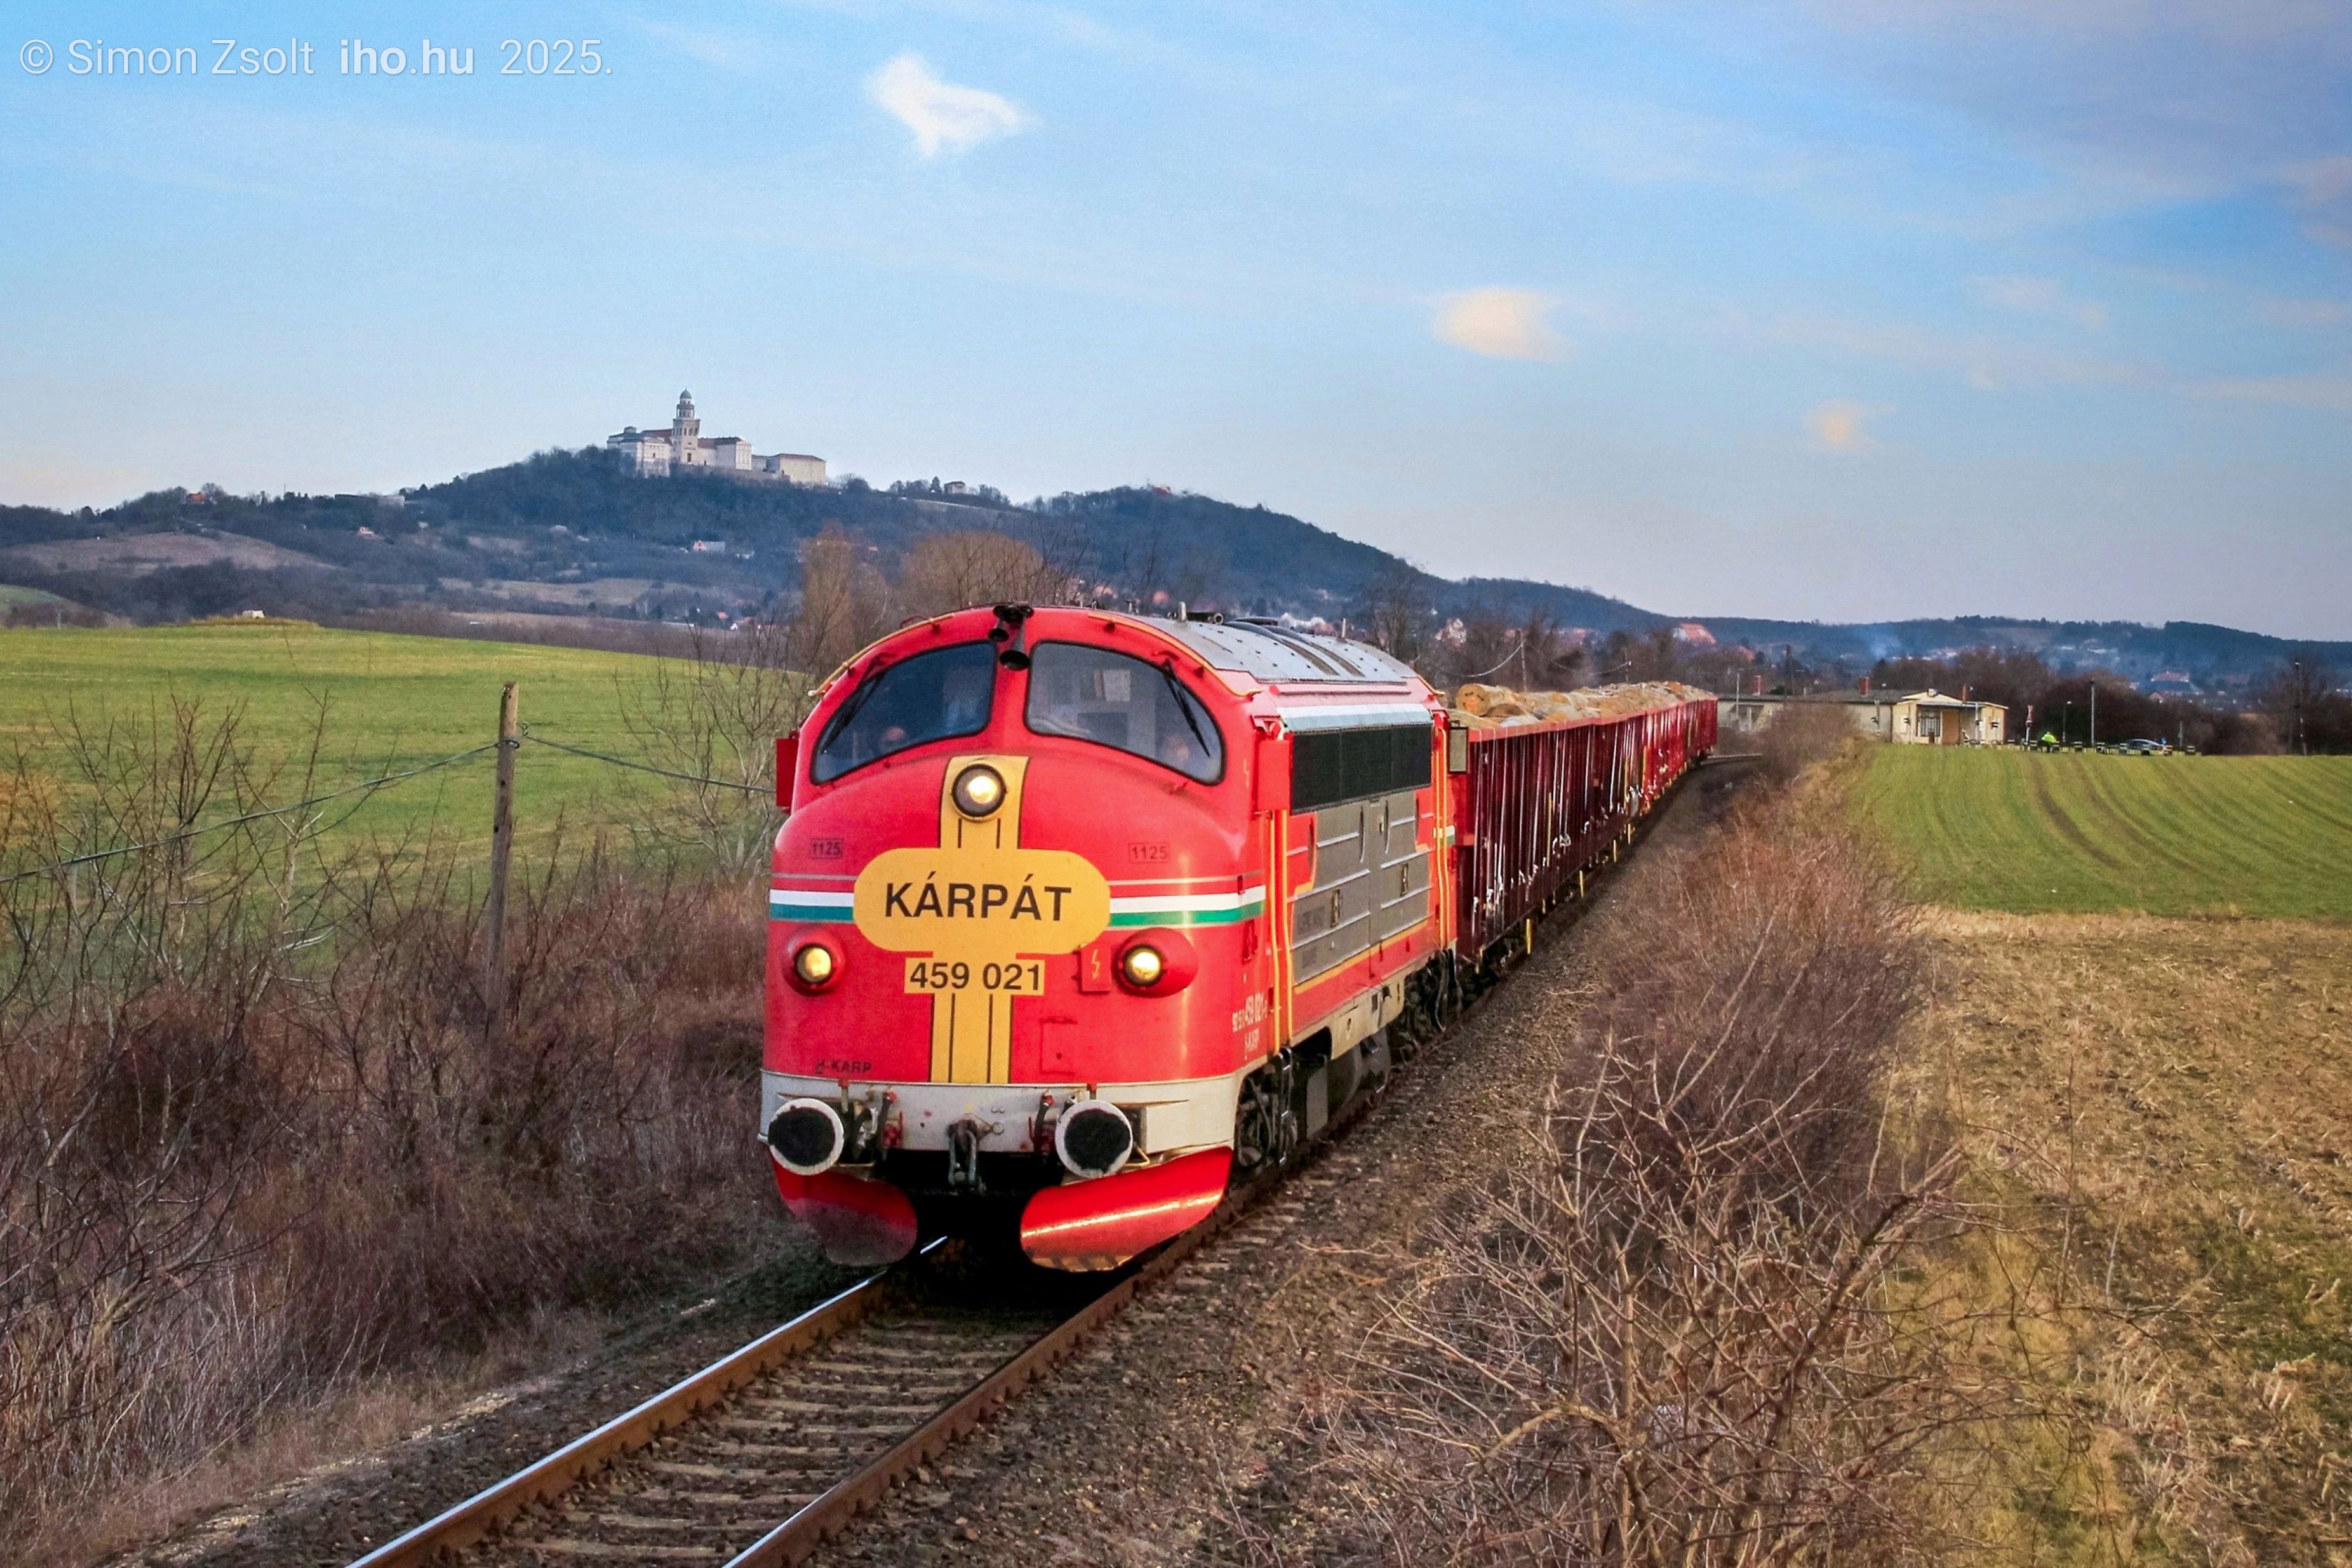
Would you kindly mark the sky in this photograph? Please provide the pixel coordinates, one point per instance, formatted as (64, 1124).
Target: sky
(1845, 310)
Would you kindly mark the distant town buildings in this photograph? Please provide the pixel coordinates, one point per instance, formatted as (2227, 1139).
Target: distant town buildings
(652, 454)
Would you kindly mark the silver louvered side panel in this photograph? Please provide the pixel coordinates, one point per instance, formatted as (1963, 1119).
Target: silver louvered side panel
(1372, 882)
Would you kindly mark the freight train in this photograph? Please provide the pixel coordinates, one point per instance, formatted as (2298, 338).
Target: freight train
(1079, 916)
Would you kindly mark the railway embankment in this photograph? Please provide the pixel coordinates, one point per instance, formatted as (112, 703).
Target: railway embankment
(334, 1516)
(1196, 1428)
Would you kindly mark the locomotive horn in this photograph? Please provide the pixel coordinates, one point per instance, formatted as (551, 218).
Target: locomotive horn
(1012, 627)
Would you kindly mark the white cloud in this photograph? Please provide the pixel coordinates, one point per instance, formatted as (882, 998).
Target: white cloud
(1502, 323)
(2275, 312)
(1838, 425)
(2039, 297)
(1988, 365)
(2328, 392)
(2240, 21)
(943, 116)
(2323, 189)
(730, 52)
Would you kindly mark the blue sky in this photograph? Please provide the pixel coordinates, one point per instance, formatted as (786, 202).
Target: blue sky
(1847, 308)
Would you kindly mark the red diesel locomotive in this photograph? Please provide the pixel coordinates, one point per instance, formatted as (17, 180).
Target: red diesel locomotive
(1076, 915)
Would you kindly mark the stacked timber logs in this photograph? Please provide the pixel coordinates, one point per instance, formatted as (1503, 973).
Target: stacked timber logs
(1489, 707)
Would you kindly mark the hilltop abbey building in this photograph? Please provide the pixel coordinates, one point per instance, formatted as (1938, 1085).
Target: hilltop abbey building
(650, 454)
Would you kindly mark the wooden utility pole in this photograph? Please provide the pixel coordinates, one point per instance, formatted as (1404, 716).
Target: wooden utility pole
(494, 956)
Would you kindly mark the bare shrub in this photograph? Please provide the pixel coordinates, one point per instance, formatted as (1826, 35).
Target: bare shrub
(1799, 734)
(710, 720)
(1682, 1333)
(253, 1141)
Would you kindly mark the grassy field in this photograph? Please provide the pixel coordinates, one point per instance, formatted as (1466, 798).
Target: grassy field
(2156, 1112)
(2155, 1109)
(391, 702)
(2081, 832)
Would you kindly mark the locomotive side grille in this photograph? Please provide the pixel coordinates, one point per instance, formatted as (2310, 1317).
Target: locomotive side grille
(1372, 882)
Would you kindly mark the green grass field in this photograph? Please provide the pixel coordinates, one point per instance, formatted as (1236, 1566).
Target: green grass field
(2072, 832)
(392, 702)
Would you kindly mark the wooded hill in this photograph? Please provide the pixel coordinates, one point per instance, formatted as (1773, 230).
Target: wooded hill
(567, 531)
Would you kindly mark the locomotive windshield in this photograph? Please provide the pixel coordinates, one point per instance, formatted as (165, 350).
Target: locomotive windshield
(934, 695)
(1115, 700)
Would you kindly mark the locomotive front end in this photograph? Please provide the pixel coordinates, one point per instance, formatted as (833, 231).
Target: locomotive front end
(1015, 932)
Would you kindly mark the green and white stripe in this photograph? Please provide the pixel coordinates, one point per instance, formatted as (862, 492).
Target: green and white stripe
(1189, 909)
(802, 904)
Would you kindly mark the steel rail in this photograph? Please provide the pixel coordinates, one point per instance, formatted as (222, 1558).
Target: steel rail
(798, 1537)
(468, 1522)
(794, 1541)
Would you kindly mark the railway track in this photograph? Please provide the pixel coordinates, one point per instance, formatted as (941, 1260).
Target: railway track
(813, 1421)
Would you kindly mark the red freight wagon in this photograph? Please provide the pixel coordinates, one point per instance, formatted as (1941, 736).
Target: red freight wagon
(1535, 804)
(1076, 914)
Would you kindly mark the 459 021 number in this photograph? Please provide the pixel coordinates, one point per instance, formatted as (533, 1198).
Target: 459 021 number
(1017, 976)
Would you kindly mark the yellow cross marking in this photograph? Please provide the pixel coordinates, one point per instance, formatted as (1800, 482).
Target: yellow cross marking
(977, 904)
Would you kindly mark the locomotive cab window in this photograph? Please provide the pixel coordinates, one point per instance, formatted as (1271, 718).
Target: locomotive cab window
(935, 696)
(1112, 699)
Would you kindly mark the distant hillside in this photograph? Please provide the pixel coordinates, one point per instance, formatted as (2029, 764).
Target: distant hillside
(566, 531)
(2208, 655)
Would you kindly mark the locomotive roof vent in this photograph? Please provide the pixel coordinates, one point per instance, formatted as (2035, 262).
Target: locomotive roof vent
(1271, 652)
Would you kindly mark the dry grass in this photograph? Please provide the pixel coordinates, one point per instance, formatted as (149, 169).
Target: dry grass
(301, 1443)
(258, 1148)
(1691, 1331)
(2161, 1114)
(1800, 735)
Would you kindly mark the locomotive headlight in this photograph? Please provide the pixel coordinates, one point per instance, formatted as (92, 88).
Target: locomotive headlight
(1141, 965)
(1158, 961)
(979, 789)
(813, 965)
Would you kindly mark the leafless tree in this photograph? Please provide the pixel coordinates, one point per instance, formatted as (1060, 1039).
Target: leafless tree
(947, 572)
(843, 603)
(2301, 701)
(1396, 612)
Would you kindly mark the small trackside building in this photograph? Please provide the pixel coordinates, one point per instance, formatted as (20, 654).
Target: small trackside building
(1931, 719)
(1920, 718)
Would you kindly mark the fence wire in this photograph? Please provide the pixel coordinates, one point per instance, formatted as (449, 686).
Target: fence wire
(644, 766)
(389, 779)
(182, 837)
